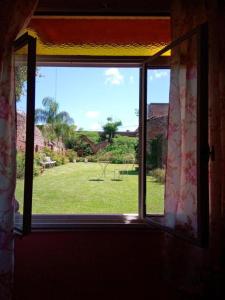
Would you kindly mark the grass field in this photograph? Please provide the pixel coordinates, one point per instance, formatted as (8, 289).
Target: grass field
(77, 188)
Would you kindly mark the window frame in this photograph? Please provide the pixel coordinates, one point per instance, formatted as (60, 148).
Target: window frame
(203, 149)
(57, 222)
(53, 222)
(30, 42)
(71, 221)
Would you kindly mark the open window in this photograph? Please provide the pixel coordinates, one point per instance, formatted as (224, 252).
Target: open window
(165, 128)
(175, 139)
(25, 68)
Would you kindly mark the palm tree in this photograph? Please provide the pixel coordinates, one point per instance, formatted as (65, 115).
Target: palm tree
(56, 123)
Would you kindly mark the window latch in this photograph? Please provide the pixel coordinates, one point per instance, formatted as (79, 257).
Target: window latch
(211, 153)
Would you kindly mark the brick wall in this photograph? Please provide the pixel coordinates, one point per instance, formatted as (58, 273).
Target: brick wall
(157, 126)
(157, 109)
(21, 134)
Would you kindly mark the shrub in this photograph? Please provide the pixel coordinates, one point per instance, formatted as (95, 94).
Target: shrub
(83, 149)
(80, 159)
(115, 157)
(47, 151)
(20, 165)
(36, 169)
(38, 158)
(159, 175)
(122, 150)
(123, 145)
(58, 158)
(92, 158)
(71, 154)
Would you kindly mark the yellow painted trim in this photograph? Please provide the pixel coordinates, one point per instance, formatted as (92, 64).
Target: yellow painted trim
(96, 50)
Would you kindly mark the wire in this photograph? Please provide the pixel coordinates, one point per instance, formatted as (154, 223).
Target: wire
(56, 78)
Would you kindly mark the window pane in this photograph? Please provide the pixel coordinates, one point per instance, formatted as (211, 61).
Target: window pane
(156, 139)
(86, 141)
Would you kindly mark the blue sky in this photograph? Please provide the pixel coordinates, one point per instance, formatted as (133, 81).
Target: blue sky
(90, 95)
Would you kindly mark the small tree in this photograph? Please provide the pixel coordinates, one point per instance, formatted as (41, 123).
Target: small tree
(20, 79)
(110, 128)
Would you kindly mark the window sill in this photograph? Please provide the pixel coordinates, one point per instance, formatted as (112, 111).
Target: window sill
(70, 222)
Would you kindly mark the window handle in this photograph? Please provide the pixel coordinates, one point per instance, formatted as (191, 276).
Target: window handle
(211, 153)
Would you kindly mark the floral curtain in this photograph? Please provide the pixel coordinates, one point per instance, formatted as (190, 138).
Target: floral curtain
(181, 174)
(13, 17)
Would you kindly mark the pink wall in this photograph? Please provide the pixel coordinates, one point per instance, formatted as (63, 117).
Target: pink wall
(104, 264)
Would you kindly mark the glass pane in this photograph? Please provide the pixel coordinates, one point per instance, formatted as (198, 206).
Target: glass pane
(156, 140)
(86, 141)
(21, 109)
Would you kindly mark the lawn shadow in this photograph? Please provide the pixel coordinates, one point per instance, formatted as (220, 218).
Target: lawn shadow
(116, 179)
(95, 179)
(129, 172)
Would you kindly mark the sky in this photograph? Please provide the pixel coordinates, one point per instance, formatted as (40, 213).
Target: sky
(90, 95)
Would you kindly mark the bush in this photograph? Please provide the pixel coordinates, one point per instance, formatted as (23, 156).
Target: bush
(122, 150)
(20, 165)
(38, 158)
(80, 159)
(159, 175)
(115, 157)
(59, 159)
(123, 145)
(36, 169)
(71, 154)
(92, 158)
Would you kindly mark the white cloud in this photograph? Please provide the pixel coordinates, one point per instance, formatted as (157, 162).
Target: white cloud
(157, 74)
(131, 79)
(113, 76)
(92, 114)
(95, 127)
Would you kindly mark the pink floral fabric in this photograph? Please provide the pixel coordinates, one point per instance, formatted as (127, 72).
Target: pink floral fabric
(13, 16)
(181, 174)
(181, 181)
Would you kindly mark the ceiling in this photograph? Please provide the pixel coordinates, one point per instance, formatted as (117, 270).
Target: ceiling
(101, 36)
(104, 7)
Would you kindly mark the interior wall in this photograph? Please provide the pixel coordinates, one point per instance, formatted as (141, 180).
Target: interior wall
(101, 264)
(122, 264)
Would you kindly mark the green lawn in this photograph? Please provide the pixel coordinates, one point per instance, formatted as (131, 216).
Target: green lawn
(77, 188)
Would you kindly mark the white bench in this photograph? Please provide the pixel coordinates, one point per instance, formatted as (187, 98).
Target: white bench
(47, 162)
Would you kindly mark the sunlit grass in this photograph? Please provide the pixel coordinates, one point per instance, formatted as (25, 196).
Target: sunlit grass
(81, 188)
